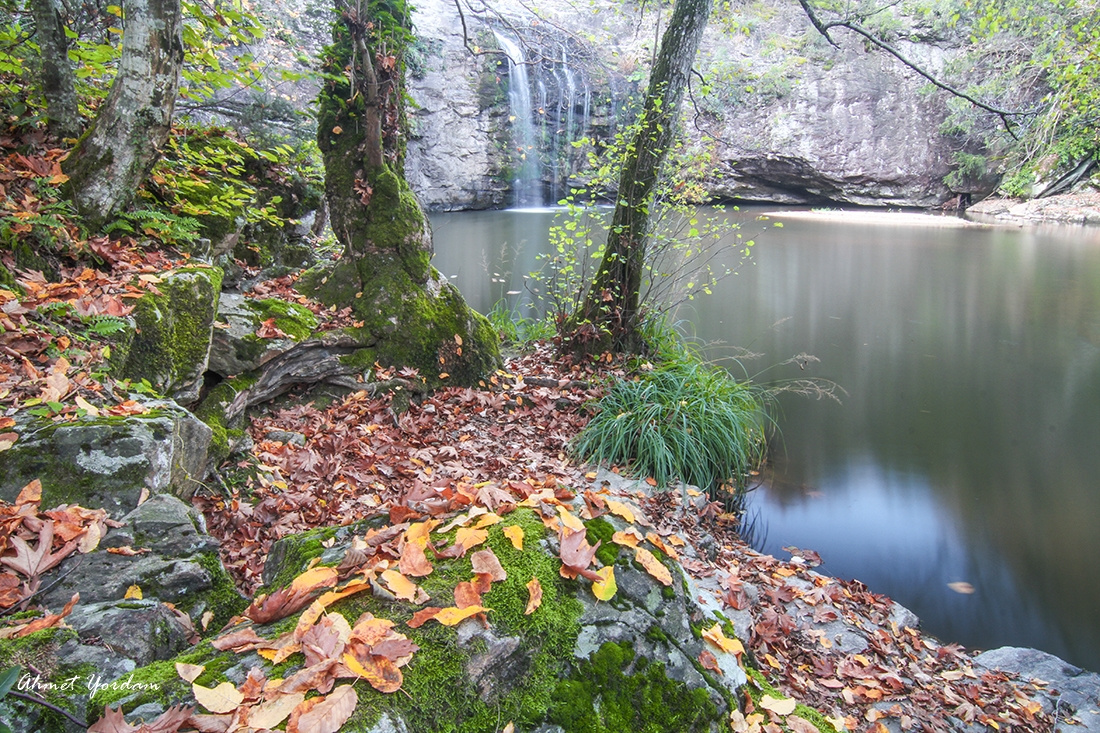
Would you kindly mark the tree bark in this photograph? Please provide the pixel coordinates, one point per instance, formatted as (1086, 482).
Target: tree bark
(119, 150)
(611, 313)
(58, 79)
(410, 315)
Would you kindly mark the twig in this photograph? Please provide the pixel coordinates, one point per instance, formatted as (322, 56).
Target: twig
(49, 705)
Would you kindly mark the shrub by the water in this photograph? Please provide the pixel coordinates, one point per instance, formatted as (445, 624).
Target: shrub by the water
(683, 420)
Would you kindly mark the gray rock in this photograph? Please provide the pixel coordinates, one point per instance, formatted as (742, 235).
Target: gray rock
(106, 462)
(1070, 690)
(234, 348)
(169, 527)
(142, 631)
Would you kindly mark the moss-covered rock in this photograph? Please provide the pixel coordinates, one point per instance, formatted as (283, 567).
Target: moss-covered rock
(172, 338)
(108, 461)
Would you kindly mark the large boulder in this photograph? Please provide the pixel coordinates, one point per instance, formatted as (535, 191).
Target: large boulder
(109, 461)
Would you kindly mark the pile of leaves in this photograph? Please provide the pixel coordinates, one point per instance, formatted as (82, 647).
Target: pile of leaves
(361, 458)
(56, 534)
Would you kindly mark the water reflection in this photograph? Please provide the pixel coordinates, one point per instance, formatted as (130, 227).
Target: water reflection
(966, 448)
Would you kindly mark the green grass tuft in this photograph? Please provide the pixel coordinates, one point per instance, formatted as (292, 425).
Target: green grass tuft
(684, 420)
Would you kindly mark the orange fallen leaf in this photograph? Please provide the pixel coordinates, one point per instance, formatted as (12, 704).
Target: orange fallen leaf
(452, 616)
(653, 566)
(399, 585)
(629, 538)
(620, 509)
(534, 591)
(716, 636)
(381, 673)
(413, 560)
(514, 533)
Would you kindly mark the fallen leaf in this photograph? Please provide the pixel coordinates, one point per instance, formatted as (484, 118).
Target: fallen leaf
(630, 538)
(799, 724)
(452, 616)
(381, 673)
(708, 661)
(652, 565)
(270, 713)
(413, 560)
(329, 715)
(485, 561)
(189, 672)
(221, 699)
(399, 585)
(716, 636)
(133, 593)
(620, 509)
(514, 533)
(779, 706)
(604, 587)
(534, 592)
(961, 586)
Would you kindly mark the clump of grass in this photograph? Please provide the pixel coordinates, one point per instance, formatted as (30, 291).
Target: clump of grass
(685, 420)
(515, 328)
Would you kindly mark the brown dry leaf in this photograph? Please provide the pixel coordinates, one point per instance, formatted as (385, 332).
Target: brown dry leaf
(485, 561)
(514, 533)
(46, 622)
(577, 554)
(241, 640)
(329, 715)
(422, 616)
(270, 713)
(778, 705)
(413, 560)
(652, 565)
(466, 538)
(534, 592)
(189, 672)
(467, 594)
(604, 587)
(221, 699)
(709, 661)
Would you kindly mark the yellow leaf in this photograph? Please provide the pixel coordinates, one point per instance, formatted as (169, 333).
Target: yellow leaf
(418, 533)
(222, 699)
(452, 616)
(652, 565)
(514, 533)
(88, 407)
(467, 537)
(620, 509)
(270, 713)
(487, 521)
(779, 706)
(189, 672)
(534, 591)
(58, 179)
(604, 588)
(570, 520)
(316, 577)
(630, 538)
(133, 593)
(715, 636)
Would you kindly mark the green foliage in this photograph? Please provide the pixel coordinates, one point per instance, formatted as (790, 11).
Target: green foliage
(967, 167)
(682, 258)
(515, 328)
(159, 224)
(683, 420)
(7, 679)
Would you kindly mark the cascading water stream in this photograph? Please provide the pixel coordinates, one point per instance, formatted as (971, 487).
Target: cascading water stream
(527, 181)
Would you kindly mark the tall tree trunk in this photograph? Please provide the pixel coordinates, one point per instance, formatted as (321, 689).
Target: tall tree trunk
(410, 315)
(119, 150)
(58, 79)
(611, 313)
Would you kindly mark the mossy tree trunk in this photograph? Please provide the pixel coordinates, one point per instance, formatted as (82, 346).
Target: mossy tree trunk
(411, 316)
(58, 79)
(118, 151)
(611, 313)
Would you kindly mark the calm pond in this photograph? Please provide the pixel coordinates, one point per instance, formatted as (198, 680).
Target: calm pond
(967, 448)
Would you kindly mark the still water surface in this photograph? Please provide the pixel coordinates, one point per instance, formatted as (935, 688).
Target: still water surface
(967, 447)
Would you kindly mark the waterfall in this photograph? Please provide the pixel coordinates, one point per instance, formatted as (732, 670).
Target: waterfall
(527, 178)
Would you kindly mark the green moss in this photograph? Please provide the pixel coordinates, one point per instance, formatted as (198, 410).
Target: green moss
(60, 684)
(223, 600)
(173, 333)
(600, 530)
(617, 692)
(292, 319)
(159, 682)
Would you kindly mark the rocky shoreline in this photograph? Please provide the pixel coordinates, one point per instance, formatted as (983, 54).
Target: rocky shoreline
(1082, 208)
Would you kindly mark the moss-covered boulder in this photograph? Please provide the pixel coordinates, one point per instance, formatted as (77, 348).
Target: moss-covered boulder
(174, 323)
(108, 461)
(570, 663)
(237, 346)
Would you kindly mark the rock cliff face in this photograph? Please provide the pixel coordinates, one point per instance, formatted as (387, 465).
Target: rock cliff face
(796, 120)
